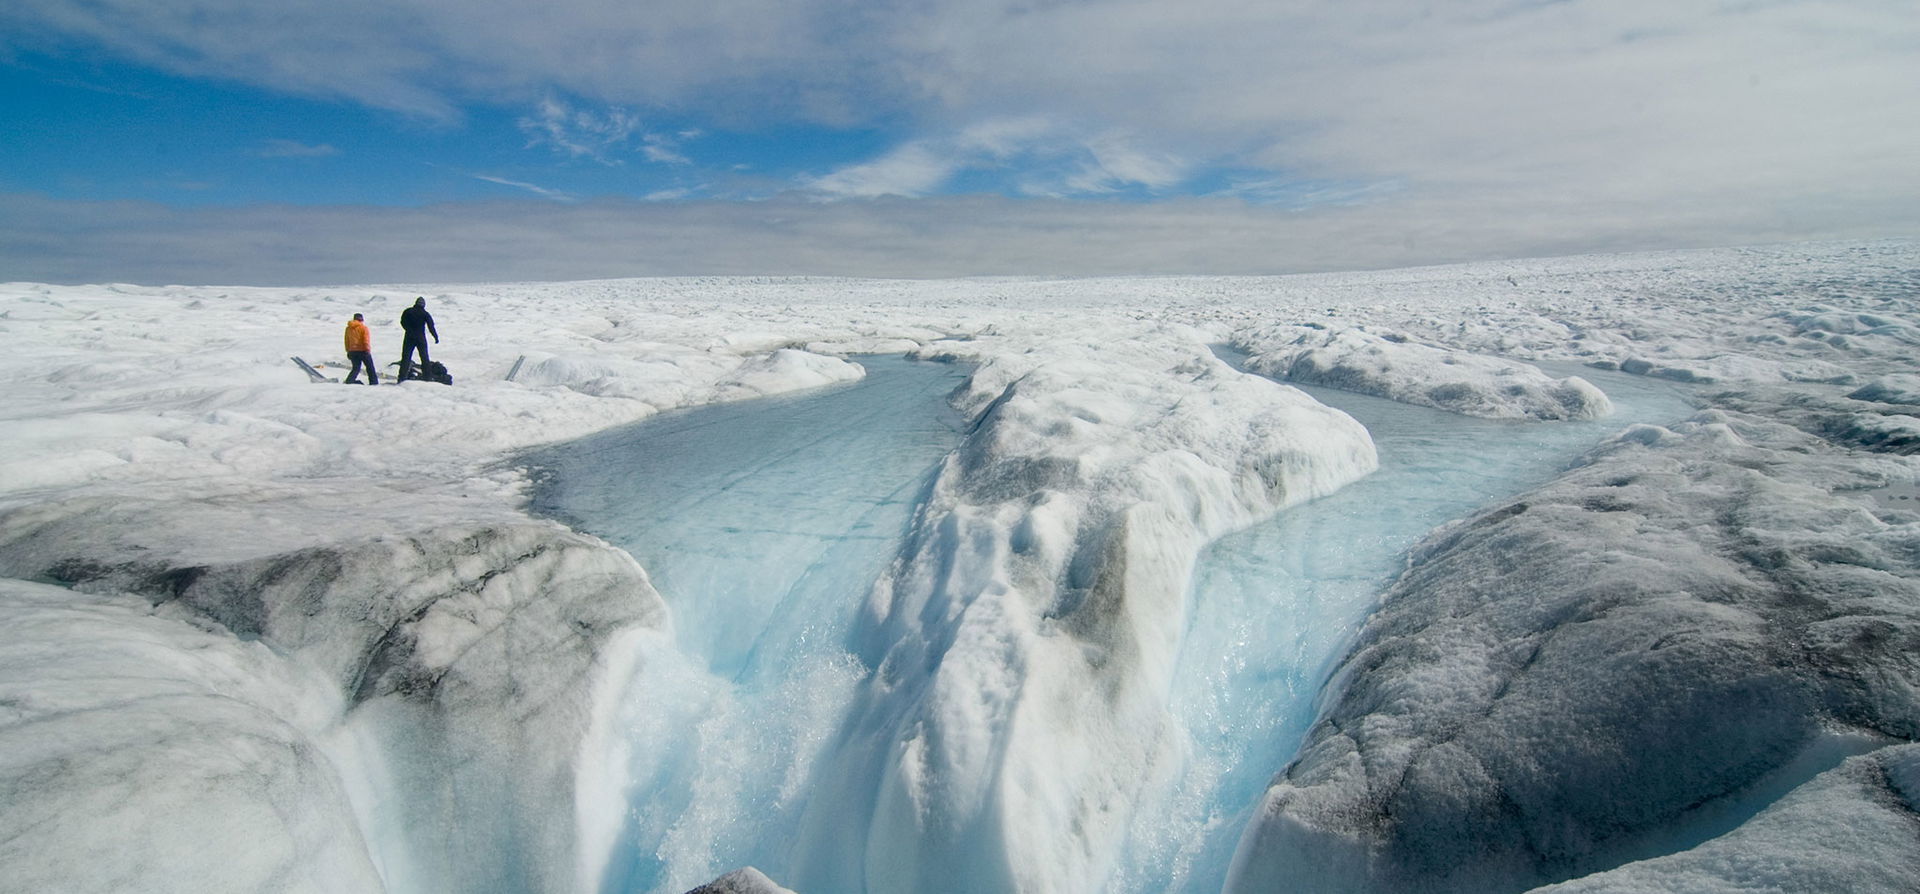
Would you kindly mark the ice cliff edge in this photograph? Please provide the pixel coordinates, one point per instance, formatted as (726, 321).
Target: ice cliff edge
(411, 702)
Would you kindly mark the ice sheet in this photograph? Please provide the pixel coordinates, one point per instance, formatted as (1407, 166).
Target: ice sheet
(1045, 555)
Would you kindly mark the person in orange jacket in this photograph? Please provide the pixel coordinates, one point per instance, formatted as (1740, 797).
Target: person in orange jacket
(360, 351)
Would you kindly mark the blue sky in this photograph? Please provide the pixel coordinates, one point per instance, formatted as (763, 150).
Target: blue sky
(365, 140)
(106, 129)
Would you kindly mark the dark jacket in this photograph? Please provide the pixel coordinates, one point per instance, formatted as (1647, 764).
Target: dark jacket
(417, 322)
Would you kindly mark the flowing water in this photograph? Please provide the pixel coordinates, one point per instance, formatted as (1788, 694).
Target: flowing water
(1275, 606)
(765, 523)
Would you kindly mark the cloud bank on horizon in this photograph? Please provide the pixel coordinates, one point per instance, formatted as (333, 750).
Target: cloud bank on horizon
(219, 140)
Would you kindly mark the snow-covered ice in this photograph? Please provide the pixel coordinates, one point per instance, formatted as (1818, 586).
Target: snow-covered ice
(1685, 665)
(1392, 367)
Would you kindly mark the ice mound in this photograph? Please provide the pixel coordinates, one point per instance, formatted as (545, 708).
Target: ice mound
(1827, 320)
(1397, 369)
(1024, 641)
(1892, 389)
(1875, 423)
(601, 376)
(870, 345)
(785, 370)
(671, 377)
(463, 652)
(1892, 433)
(1568, 673)
(1715, 368)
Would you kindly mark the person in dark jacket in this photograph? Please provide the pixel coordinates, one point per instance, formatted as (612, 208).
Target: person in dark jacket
(360, 351)
(417, 323)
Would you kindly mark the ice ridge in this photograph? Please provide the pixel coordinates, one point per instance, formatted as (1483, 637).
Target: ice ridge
(1024, 641)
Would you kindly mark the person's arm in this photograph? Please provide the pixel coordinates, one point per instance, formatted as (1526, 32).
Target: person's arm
(436, 332)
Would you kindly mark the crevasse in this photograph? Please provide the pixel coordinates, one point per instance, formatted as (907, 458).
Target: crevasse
(760, 732)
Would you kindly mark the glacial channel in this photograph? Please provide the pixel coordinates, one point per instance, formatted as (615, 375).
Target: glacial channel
(764, 524)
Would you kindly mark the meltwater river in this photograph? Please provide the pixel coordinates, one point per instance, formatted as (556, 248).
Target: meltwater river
(765, 523)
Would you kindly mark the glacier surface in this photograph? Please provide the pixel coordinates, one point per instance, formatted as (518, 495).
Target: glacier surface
(1684, 665)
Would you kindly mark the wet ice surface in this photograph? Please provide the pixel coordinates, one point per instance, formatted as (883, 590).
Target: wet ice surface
(738, 509)
(763, 523)
(1276, 605)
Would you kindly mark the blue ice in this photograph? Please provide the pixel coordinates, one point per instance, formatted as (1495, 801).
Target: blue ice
(764, 525)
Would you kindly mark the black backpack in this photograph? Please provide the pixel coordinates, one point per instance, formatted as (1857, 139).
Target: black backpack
(435, 371)
(430, 371)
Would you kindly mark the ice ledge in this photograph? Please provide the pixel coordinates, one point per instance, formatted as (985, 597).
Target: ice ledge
(139, 753)
(462, 651)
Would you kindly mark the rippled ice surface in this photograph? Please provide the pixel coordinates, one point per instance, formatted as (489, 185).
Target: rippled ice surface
(764, 524)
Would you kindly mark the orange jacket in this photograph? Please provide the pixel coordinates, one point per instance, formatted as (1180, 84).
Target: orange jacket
(358, 338)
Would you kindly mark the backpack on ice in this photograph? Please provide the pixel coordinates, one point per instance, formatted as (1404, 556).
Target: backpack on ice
(433, 371)
(430, 371)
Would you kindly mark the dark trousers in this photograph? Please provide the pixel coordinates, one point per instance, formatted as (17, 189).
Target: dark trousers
(362, 359)
(407, 347)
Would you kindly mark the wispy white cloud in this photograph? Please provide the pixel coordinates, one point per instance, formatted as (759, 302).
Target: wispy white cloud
(914, 169)
(540, 191)
(579, 133)
(1118, 160)
(278, 148)
(1047, 160)
(1111, 163)
(600, 135)
(664, 149)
